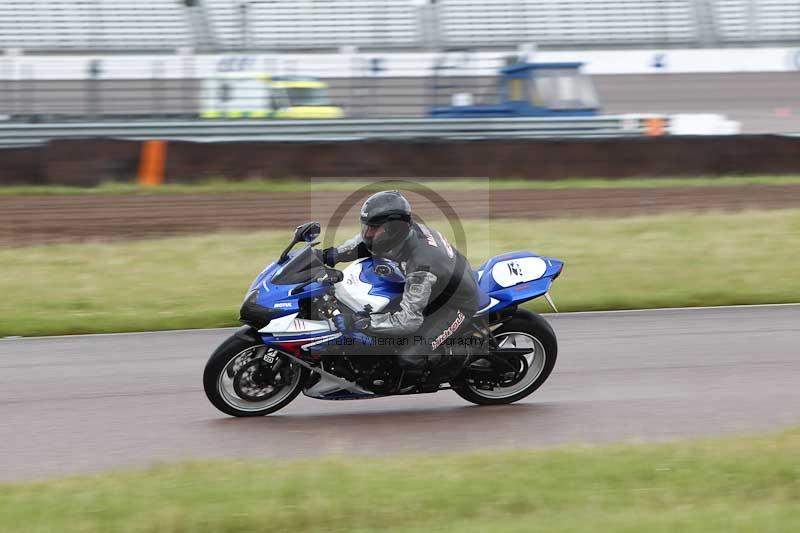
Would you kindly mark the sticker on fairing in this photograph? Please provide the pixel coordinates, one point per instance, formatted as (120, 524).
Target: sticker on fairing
(519, 270)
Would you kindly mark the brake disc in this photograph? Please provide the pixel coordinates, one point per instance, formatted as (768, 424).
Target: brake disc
(255, 382)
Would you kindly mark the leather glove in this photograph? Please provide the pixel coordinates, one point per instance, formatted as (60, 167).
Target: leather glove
(357, 322)
(328, 256)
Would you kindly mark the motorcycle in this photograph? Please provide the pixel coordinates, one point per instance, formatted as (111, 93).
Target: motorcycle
(288, 343)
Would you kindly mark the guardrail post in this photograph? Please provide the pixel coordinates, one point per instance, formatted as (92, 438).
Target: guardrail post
(94, 70)
(9, 96)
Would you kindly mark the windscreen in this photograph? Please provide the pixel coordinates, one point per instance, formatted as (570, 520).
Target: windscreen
(302, 267)
(563, 89)
(300, 96)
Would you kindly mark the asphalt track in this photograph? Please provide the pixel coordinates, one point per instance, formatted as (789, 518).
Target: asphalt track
(90, 403)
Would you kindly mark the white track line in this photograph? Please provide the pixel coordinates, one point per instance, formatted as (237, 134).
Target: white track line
(159, 332)
(616, 311)
(572, 313)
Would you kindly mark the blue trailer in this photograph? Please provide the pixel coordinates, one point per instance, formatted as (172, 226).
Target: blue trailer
(532, 90)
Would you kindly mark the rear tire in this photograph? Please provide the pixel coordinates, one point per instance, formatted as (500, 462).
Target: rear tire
(531, 328)
(230, 370)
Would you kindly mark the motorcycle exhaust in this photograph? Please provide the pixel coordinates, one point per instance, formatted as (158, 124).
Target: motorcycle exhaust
(329, 378)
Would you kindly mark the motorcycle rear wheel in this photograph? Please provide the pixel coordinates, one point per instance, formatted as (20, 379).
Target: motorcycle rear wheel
(525, 330)
(235, 383)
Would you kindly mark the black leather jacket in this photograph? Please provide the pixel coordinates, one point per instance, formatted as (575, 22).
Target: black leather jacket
(437, 277)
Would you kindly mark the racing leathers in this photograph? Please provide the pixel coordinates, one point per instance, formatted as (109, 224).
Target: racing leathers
(439, 298)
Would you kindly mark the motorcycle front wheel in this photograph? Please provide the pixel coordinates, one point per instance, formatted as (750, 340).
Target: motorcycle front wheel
(526, 330)
(240, 381)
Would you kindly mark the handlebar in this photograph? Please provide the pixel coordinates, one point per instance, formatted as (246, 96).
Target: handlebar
(334, 276)
(331, 276)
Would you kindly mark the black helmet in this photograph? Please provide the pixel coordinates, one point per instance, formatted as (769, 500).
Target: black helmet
(385, 222)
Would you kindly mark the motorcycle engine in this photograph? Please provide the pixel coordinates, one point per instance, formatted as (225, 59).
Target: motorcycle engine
(376, 373)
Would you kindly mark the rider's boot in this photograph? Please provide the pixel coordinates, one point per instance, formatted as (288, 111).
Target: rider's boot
(480, 364)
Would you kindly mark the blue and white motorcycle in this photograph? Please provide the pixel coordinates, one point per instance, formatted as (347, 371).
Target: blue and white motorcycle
(290, 345)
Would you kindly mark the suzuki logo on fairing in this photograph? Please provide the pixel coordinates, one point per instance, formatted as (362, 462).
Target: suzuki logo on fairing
(514, 269)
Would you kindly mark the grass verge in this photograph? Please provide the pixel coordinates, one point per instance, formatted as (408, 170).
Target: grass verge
(669, 260)
(734, 484)
(271, 186)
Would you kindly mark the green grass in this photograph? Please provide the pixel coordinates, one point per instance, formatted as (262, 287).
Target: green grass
(192, 282)
(734, 484)
(216, 186)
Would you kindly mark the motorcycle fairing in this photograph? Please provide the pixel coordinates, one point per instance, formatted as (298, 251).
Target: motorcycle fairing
(363, 285)
(296, 335)
(515, 277)
(504, 281)
(276, 297)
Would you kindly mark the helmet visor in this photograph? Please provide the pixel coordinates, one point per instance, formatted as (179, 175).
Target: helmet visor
(370, 231)
(384, 237)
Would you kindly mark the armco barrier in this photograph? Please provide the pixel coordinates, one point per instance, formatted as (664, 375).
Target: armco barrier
(18, 134)
(90, 161)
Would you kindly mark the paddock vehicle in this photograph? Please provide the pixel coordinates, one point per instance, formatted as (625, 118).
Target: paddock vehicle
(289, 345)
(530, 90)
(260, 95)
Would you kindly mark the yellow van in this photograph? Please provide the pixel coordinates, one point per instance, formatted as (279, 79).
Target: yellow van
(260, 95)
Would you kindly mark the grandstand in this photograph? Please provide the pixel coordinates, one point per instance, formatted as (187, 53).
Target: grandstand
(281, 25)
(740, 21)
(298, 24)
(66, 25)
(567, 22)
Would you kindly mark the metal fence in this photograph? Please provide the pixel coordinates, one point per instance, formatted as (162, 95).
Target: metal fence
(363, 85)
(46, 88)
(331, 130)
(40, 90)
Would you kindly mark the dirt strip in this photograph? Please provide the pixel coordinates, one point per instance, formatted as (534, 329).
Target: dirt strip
(42, 219)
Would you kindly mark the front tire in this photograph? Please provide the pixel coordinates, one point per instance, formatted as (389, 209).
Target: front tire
(239, 383)
(525, 329)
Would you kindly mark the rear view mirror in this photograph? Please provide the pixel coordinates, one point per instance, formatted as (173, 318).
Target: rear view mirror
(304, 233)
(307, 232)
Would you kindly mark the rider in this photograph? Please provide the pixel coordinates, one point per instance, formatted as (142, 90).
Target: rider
(440, 295)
